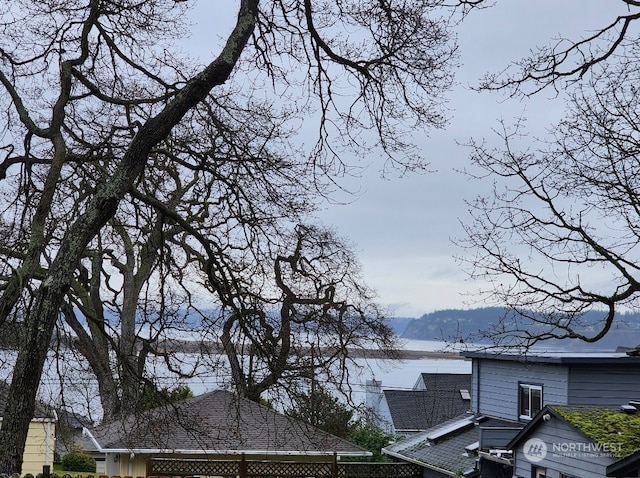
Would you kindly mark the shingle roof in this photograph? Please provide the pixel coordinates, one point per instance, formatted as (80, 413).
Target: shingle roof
(600, 424)
(445, 381)
(449, 447)
(440, 400)
(422, 409)
(218, 422)
(72, 419)
(447, 453)
(605, 426)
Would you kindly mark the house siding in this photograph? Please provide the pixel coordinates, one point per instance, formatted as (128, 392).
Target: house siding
(39, 448)
(558, 432)
(497, 384)
(475, 389)
(384, 417)
(605, 386)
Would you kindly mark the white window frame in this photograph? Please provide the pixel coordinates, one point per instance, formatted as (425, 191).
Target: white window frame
(525, 389)
(539, 472)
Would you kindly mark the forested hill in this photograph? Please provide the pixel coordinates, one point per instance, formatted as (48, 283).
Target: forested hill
(457, 323)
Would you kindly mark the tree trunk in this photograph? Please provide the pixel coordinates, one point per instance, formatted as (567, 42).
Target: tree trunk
(46, 309)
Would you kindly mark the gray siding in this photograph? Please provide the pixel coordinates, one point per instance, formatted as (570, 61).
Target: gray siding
(558, 432)
(475, 391)
(498, 385)
(496, 437)
(606, 386)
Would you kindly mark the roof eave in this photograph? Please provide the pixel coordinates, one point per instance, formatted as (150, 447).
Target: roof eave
(594, 358)
(624, 466)
(165, 451)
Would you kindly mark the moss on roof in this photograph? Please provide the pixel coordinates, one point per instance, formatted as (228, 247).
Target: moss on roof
(606, 426)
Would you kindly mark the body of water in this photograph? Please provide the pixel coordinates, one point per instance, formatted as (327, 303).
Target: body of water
(81, 394)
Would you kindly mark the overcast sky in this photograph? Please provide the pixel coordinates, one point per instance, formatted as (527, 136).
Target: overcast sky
(402, 228)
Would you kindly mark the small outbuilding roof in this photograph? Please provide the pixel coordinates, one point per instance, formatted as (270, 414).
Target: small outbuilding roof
(218, 422)
(445, 448)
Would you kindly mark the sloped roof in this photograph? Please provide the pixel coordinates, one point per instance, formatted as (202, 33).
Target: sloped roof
(599, 424)
(438, 399)
(73, 419)
(451, 447)
(41, 412)
(604, 425)
(218, 422)
(423, 409)
(628, 466)
(445, 381)
(441, 448)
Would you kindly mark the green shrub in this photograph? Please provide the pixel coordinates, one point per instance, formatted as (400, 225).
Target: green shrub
(78, 461)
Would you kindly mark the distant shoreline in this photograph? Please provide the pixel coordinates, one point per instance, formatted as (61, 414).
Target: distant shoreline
(187, 346)
(404, 354)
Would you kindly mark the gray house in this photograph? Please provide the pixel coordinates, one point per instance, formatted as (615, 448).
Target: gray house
(516, 387)
(578, 441)
(507, 392)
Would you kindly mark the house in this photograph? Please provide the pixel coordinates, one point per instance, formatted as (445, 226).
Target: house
(447, 449)
(215, 425)
(578, 441)
(41, 436)
(435, 398)
(507, 392)
(516, 387)
(452, 448)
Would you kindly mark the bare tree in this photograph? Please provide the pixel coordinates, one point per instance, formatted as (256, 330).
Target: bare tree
(310, 326)
(559, 236)
(102, 117)
(566, 61)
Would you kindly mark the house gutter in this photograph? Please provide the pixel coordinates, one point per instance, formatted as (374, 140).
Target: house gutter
(224, 452)
(138, 451)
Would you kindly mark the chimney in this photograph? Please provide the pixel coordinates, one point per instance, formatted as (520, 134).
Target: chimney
(373, 396)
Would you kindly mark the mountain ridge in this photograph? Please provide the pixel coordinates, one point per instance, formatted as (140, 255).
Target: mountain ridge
(455, 324)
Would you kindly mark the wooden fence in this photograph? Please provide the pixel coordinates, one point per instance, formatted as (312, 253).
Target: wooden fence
(243, 468)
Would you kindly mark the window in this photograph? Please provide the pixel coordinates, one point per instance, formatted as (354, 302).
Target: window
(537, 472)
(530, 400)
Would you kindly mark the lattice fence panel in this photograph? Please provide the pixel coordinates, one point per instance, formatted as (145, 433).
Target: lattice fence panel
(195, 468)
(281, 469)
(289, 469)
